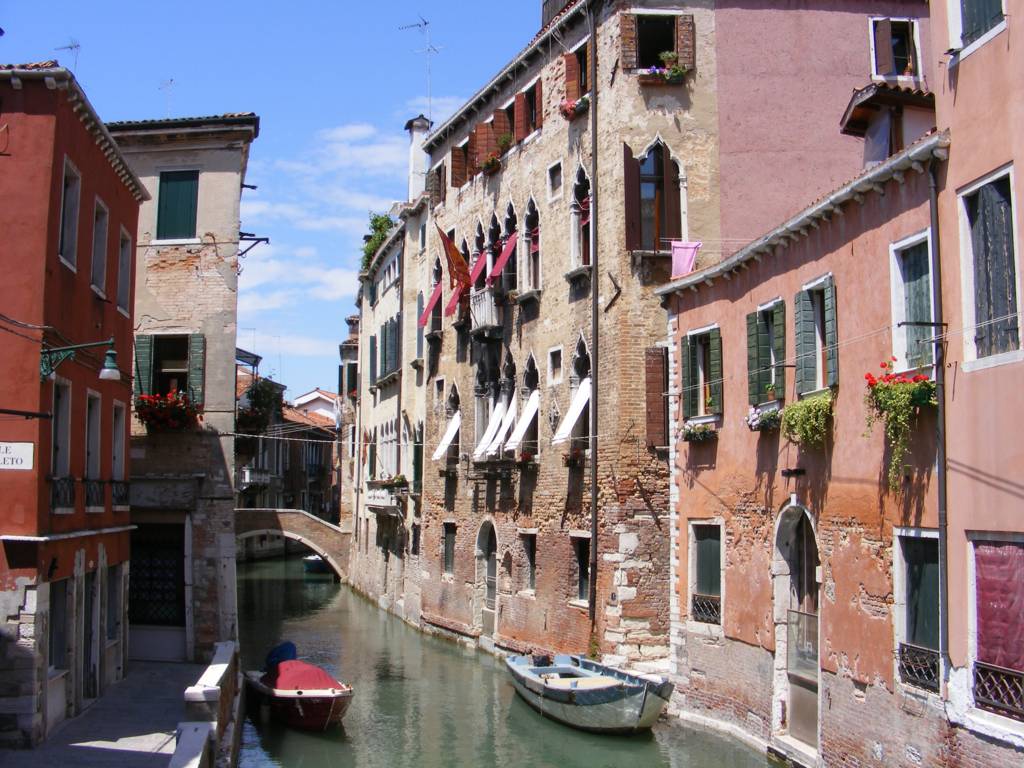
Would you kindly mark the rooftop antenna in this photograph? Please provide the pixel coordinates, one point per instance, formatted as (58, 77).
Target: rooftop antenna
(74, 46)
(167, 86)
(424, 26)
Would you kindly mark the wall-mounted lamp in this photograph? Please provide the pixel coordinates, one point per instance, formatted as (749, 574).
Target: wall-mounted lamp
(51, 357)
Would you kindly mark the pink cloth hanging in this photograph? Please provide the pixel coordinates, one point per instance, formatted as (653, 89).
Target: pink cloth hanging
(684, 255)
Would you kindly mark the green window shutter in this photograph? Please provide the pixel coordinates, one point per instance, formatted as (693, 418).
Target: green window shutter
(373, 457)
(373, 360)
(753, 364)
(764, 356)
(688, 360)
(196, 367)
(779, 346)
(831, 334)
(708, 540)
(922, 560)
(176, 207)
(143, 364)
(805, 342)
(917, 306)
(715, 378)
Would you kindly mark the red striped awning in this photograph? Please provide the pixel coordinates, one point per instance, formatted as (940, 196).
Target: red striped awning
(479, 266)
(434, 298)
(506, 253)
(585, 211)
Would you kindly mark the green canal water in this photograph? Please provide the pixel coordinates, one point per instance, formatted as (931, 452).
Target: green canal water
(420, 701)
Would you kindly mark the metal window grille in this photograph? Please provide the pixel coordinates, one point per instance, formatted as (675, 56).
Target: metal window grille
(706, 608)
(119, 490)
(999, 689)
(62, 492)
(95, 494)
(919, 666)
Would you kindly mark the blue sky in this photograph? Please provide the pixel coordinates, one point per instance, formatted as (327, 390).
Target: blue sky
(333, 84)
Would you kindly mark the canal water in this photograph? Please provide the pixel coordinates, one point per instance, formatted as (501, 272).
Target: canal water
(422, 701)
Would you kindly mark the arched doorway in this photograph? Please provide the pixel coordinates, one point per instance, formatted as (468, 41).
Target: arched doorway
(486, 577)
(796, 578)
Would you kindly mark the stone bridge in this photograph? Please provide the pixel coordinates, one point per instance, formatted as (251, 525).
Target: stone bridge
(329, 541)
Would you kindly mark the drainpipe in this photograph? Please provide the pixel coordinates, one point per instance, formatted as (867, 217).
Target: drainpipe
(940, 420)
(593, 7)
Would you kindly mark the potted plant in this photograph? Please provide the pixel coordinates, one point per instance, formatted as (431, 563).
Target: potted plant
(897, 399)
(571, 109)
(806, 422)
(173, 412)
(769, 391)
(764, 420)
(491, 163)
(671, 72)
(526, 459)
(505, 142)
(574, 457)
(699, 433)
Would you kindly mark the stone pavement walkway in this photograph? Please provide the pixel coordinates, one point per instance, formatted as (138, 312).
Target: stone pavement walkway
(131, 726)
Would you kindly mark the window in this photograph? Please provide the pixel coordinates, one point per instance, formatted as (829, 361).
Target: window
(460, 164)
(117, 450)
(581, 546)
(178, 198)
(423, 237)
(170, 364)
(918, 649)
(579, 213)
(817, 356)
(555, 181)
(530, 270)
(706, 574)
(766, 354)
(58, 624)
(67, 247)
(579, 386)
(100, 223)
(437, 185)
(113, 601)
(583, 68)
(701, 356)
(414, 543)
(530, 553)
(92, 437)
(164, 364)
(976, 18)
(999, 621)
(554, 366)
(449, 548)
(912, 303)
(654, 36)
(61, 458)
(124, 271)
(894, 48)
(653, 205)
(989, 218)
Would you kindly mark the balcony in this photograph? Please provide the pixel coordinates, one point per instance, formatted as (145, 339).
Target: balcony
(485, 314)
(119, 491)
(95, 494)
(999, 690)
(919, 666)
(62, 494)
(253, 477)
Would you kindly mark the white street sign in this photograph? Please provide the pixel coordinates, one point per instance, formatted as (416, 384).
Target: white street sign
(16, 455)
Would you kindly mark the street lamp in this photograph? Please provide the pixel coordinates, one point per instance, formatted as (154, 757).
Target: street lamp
(51, 357)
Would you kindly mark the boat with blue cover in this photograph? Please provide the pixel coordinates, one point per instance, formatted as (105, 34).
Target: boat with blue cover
(588, 695)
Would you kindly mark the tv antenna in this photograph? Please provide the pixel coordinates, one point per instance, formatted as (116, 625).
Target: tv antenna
(74, 46)
(167, 86)
(424, 27)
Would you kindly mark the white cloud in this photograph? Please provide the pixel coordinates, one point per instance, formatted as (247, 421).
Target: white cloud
(349, 132)
(252, 302)
(280, 278)
(439, 107)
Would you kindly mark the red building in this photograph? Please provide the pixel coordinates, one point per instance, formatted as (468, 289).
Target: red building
(69, 219)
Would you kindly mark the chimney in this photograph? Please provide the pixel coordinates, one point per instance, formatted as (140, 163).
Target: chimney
(551, 8)
(417, 128)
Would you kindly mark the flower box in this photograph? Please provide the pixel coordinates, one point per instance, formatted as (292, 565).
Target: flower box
(699, 433)
(570, 109)
(897, 399)
(575, 458)
(173, 412)
(662, 76)
(490, 165)
(765, 420)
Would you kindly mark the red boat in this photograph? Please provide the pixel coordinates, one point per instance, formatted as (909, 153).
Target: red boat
(301, 695)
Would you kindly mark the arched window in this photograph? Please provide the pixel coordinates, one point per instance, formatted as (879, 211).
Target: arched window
(530, 269)
(480, 251)
(653, 208)
(580, 371)
(438, 309)
(531, 385)
(579, 213)
(508, 274)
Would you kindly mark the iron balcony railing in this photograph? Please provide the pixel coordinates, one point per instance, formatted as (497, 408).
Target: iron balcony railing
(706, 608)
(119, 491)
(95, 493)
(919, 666)
(484, 311)
(62, 492)
(999, 689)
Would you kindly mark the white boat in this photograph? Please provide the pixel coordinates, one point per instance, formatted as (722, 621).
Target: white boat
(585, 694)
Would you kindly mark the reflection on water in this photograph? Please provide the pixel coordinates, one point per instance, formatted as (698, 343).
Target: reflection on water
(420, 701)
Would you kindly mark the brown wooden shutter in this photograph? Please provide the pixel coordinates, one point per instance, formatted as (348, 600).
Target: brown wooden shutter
(487, 141)
(656, 370)
(538, 103)
(885, 63)
(572, 76)
(472, 152)
(627, 41)
(686, 41)
(458, 162)
(442, 182)
(631, 190)
(522, 129)
(501, 124)
(673, 226)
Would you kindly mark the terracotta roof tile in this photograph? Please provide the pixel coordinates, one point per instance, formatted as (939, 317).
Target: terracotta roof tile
(51, 64)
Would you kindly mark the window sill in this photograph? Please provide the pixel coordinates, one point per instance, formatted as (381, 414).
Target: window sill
(417, 363)
(122, 508)
(62, 511)
(124, 311)
(95, 510)
(580, 604)
(813, 393)
(67, 264)
(711, 418)
(993, 361)
(55, 674)
(643, 254)
(907, 81)
(177, 241)
(967, 50)
(98, 291)
(532, 136)
(575, 274)
(703, 629)
(529, 594)
(527, 296)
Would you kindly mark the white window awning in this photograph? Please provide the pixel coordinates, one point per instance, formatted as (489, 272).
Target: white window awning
(449, 435)
(506, 426)
(579, 402)
(492, 427)
(532, 406)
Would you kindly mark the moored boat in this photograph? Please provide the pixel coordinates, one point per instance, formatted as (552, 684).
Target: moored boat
(315, 564)
(299, 694)
(588, 695)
